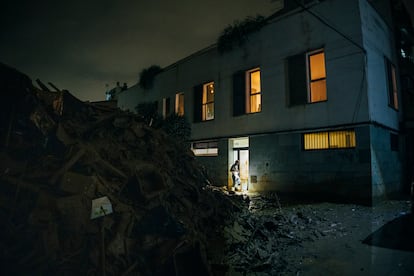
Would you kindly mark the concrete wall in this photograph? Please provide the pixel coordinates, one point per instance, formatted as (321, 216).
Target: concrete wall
(379, 43)
(269, 50)
(279, 163)
(387, 175)
(130, 98)
(218, 165)
(387, 167)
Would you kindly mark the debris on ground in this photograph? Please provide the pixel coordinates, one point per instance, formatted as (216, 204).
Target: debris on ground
(276, 236)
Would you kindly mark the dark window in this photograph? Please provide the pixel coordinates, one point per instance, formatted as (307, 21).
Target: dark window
(394, 142)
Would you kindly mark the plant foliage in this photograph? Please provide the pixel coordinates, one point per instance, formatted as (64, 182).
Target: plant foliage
(146, 77)
(238, 33)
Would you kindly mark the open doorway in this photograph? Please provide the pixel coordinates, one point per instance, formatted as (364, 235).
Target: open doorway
(239, 150)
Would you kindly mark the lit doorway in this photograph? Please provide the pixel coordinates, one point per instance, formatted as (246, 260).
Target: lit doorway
(239, 150)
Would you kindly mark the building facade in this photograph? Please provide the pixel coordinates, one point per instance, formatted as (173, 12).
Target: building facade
(309, 104)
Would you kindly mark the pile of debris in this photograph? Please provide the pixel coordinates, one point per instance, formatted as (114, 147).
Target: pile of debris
(89, 189)
(257, 241)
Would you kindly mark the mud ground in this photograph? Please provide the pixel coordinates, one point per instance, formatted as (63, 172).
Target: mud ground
(282, 237)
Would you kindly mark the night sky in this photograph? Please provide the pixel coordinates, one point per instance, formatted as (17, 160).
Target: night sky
(83, 45)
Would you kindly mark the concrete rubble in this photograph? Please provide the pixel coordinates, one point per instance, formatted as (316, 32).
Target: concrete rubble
(60, 154)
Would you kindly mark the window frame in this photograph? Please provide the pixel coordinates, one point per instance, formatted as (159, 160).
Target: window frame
(211, 148)
(309, 79)
(329, 134)
(249, 94)
(205, 102)
(392, 85)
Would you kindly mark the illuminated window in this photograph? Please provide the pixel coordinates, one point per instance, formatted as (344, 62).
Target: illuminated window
(165, 107)
(254, 97)
(179, 104)
(208, 101)
(208, 148)
(247, 92)
(392, 85)
(317, 77)
(329, 140)
(306, 77)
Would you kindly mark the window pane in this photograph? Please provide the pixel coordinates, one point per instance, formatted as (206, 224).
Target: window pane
(316, 140)
(208, 111)
(179, 104)
(255, 82)
(205, 152)
(205, 148)
(395, 100)
(394, 88)
(208, 101)
(209, 93)
(333, 139)
(318, 91)
(253, 95)
(317, 66)
(342, 139)
(165, 107)
(255, 103)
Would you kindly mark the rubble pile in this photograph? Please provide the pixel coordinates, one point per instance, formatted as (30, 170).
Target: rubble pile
(258, 240)
(155, 211)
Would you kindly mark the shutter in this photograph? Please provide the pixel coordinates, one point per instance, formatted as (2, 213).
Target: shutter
(390, 84)
(198, 102)
(168, 106)
(239, 93)
(298, 92)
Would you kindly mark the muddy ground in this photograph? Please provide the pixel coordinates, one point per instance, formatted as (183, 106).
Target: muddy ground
(278, 236)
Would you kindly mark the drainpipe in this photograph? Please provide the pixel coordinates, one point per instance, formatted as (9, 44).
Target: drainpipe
(412, 197)
(9, 129)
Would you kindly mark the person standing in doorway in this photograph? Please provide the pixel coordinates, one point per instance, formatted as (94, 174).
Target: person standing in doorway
(235, 176)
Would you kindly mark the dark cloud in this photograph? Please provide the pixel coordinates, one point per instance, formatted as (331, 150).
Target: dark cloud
(82, 45)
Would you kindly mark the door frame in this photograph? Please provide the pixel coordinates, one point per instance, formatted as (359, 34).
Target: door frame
(231, 159)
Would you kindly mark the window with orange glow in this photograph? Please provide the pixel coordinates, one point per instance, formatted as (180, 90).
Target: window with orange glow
(329, 140)
(392, 85)
(208, 101)
(317, 77)
(179, 104)
(254, 96)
